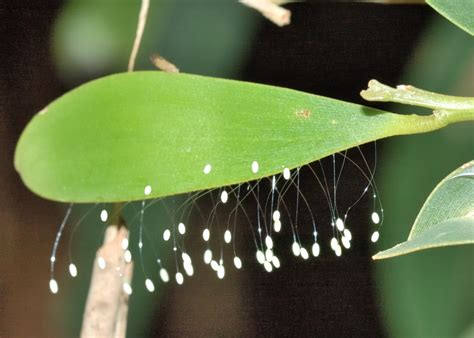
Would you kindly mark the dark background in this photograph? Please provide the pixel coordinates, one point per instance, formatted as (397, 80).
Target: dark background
(330, 49)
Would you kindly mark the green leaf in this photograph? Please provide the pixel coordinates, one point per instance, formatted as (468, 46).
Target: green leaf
(109, 139)
(446, 218)
(408, 170)
(459, 12)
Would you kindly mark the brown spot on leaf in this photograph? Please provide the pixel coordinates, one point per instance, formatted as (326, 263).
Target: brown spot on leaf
(304, 113)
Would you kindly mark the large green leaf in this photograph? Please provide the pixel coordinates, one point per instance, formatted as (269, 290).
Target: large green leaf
(109, 139)
(447, 217)
(459, 12)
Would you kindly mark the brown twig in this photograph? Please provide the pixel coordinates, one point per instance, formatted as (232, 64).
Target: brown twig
(271, 10)
(106, 309)
(139, 34)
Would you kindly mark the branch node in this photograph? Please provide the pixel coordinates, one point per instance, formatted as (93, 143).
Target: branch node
(377, 91)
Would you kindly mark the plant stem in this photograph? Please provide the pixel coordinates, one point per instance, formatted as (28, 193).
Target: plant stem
(446, 109)
(117, 215)
(106, 309)
(407, 94)
(271, 10)
(440, 118)
(139, 33)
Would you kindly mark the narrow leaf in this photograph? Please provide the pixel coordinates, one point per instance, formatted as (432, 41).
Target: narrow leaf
(459, 12)
(109, 139)
(447, 217)
(454, 231)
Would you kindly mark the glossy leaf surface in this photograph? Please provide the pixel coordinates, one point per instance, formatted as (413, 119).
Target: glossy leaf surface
(107, 140)
(447, 217)
(458, 12)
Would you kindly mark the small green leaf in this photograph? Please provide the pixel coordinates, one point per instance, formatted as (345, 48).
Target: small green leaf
(459, 12)
(446, 218)
(110, 138)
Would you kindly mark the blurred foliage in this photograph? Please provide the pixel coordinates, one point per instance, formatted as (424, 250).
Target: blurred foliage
(94, 38)
(427, 294)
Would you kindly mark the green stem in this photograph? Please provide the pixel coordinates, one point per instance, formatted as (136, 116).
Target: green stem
(407, 94)
(439, 119)
(446, 109)
(117, 215)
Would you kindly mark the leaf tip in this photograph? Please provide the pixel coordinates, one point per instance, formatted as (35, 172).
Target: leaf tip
(378, 256)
